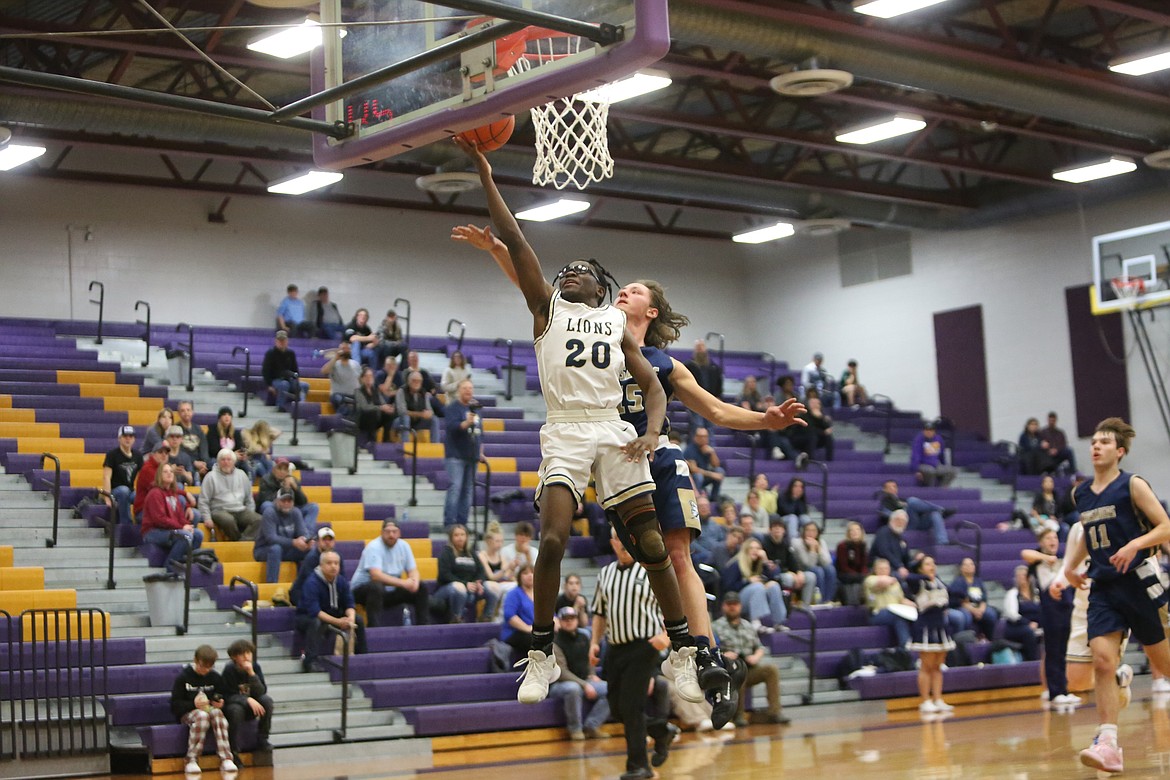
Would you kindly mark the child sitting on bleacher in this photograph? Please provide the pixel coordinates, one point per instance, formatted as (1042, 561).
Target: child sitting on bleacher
(197, 700)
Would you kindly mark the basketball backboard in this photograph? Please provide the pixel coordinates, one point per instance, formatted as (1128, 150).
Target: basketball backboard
(458, 90)
(1137, 253)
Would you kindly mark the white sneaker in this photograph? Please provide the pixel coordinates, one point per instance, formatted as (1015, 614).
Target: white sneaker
(684, 673)
(1044, 696)
(192, 767)
(943, 706)
(777, 453)
(705, 725)
(928, 707)
(228, 767)
(728, 726)
(540, 670)
(1160, 685)
(1067, 698)
(1124, 678)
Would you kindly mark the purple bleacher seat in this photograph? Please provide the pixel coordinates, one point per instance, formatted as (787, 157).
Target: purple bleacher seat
(963, 678)
(787, 643)
(113, 652)
(377, 666)
(168, 740)
(143, 709)
(430, 637)
(470, 718)
(461, 689)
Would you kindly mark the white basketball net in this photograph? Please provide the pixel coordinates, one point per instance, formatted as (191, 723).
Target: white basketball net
(572, 142)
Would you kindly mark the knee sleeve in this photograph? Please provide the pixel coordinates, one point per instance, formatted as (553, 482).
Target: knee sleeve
(643, 538)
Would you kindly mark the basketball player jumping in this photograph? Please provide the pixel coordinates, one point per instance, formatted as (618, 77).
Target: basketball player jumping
(582, 351)
(1123, 521)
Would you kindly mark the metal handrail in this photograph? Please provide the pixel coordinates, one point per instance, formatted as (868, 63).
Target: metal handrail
(507, 366)
(406, 317)
(339, 734)
(977, 547)
(190, 354)
(248, 616)
(247, 375)
(188, 565)
(824, 486)
(10, 631)
(720, 335)
(487, 494)
(771, 370)
(101, 304)
(413, 467)
(146, 335)
(886, 405)
(807, 698)
(56, 483)
(462, 330)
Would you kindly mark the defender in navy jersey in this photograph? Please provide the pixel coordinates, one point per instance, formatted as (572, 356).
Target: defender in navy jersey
(582, 350)
(1122, 521)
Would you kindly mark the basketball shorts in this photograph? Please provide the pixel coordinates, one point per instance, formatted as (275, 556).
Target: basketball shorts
(1078, 638)
(1122, 604)
(572, 451)
(674, 493)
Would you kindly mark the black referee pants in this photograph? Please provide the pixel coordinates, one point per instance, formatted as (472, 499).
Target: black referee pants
(628, 670)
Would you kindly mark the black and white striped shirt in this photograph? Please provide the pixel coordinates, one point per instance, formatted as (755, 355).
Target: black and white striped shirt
(627, 603)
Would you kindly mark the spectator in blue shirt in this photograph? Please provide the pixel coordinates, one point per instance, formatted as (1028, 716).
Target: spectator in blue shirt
(461, 450)
(290, 314)
(283, 536)
(519, 612)
(327, 601)
(704, 462)
(387, 575)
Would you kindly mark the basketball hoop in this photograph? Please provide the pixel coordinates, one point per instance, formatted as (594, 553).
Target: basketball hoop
(1127, 289)
(572, 140)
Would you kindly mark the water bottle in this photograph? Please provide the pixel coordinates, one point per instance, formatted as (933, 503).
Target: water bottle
(406, 621)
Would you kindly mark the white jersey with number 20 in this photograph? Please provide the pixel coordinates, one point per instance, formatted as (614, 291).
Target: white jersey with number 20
(579, 356)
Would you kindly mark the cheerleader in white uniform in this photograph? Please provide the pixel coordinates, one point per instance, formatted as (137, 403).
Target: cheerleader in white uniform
(928, 636)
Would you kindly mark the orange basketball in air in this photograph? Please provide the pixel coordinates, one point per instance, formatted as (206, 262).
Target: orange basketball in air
(491, 137)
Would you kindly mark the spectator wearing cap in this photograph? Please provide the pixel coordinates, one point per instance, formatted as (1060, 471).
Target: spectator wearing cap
(578, 682)
(743, 652)
(387, 575)
(926, 458)
(325, 541)
(145, 479)
(224, 435)
(290, 314)
(327, 317)
(282, 537)
(391, 341)
(119, 469)
(180, 459)
(282, 478)
(280, 366)
(226, 497)
(327, 600)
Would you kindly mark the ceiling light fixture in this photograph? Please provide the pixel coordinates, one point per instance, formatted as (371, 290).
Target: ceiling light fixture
(1141, 64)
(641, 83)
(13, 155)
(901, 124)
(289, 43)
(304, 182)
(555, 210)
(885, 9)
(1100, 169)
(768, 233)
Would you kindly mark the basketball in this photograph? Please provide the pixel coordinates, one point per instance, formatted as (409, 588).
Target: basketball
(491, 137)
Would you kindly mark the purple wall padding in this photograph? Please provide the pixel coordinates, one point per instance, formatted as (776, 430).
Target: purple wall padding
(1100, 385)
(962, 369)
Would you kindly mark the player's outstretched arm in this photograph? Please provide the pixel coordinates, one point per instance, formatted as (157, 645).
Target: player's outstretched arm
(652, 394)
(483, 239)
(695, 398)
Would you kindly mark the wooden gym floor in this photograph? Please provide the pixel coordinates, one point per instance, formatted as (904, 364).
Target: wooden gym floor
(1013, 740)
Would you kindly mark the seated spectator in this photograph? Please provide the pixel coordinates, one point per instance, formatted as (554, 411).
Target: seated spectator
(343, 372)
(519, 613)
(926, 458)
(708, 376)
(461, 579)
(728, 512)
(793, 508)
(1067, 506)
(144, 481)
(711, 531)
(283, 536)
(326, 541)
(740, 645)
(1030, 449)
(752, 575)
(327, 317)
(247, 696)
(412, 365)
(769, 496)
(362, 341)
(326, 600)
(375, 412)
(790, 571)
(814, 377)
(521, 547)
(749, 395)
(1055, 443)
(787, 387)
(223, 435)
(185, 472)
(194, 439)
(755, 509)
(748, 523)
(924, 516)
(258, 441)
(456, 371)
(387, 575)
(725, 553)
(279, 371)
(813, 555)
(1021, 612)
(290, 314)
(852, 391)
(417, 409)
(226, 497)
(119, 470)
(168, 520)
(282, 478)
(968, 603)
(391, 341)
(578, 681)
(571, 596)
(889, 544)
(1046, 508)
(197, 700)
(852, 566)
(706, 470)
(500, 574)
(882, 591)
(158, 431)
(384, 378)
(816, 434)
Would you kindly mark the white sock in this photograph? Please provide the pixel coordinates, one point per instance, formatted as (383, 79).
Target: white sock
(1107, 732)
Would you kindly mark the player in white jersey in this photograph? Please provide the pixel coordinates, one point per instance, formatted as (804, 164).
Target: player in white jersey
(582, 348)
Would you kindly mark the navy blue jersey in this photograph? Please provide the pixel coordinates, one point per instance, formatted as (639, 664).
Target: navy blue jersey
(1111, 521)
(633, 407)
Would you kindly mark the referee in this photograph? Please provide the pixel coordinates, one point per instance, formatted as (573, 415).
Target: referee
(624, 608)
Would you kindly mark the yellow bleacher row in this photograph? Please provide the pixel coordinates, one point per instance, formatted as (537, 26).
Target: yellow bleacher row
(237, 561)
